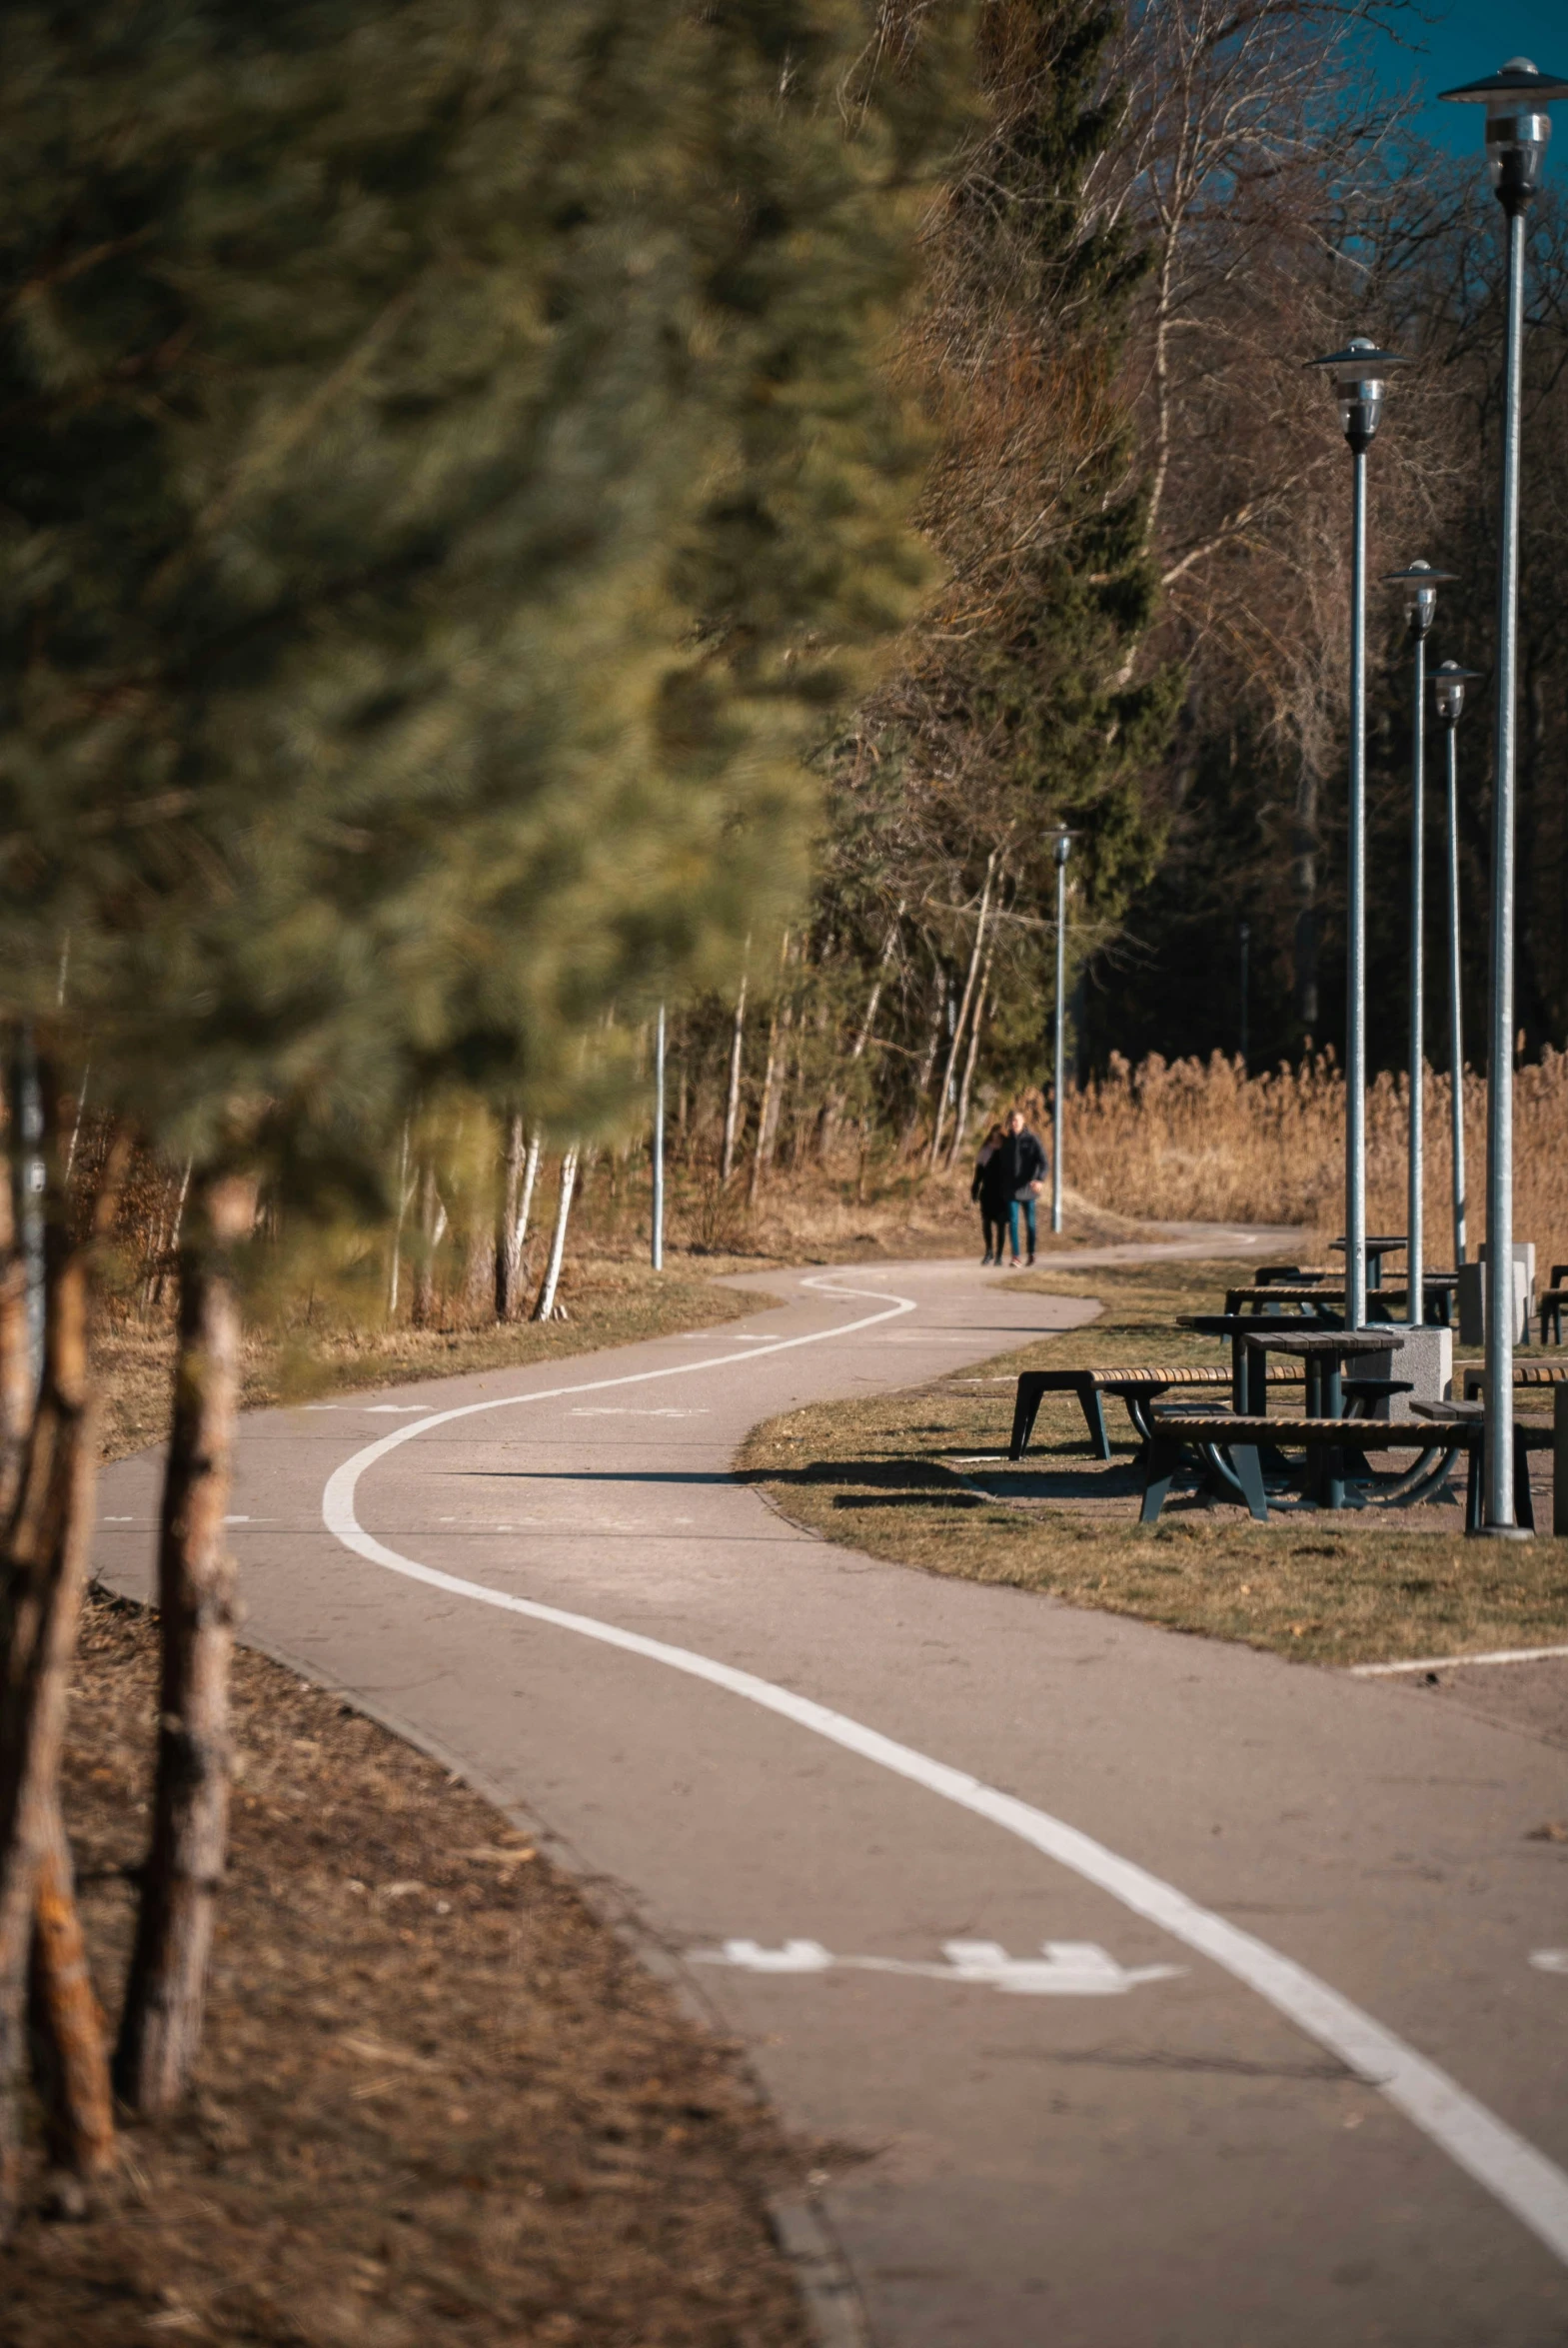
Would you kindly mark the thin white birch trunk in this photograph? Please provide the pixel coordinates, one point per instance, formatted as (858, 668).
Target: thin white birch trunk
(405, 1200)
(963, 1007)
(733, 1100)
(968, 1065)
(883, 960)
(545, 1307)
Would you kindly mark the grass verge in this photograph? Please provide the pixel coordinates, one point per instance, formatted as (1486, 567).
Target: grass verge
(440, 2102)
(608, 1304)
(1360, 1587)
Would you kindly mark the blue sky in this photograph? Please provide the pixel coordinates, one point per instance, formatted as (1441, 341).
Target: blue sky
(1467, 39)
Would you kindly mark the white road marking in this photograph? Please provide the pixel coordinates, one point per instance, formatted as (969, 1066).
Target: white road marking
(1450, 1663)
(631, 1411)
(392, 1410)
(1485, 2147)
(1550, 1960)
(1064, 1968)
(119, 1521)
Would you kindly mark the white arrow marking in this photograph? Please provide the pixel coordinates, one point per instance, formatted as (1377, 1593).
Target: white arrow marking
(1064, 1968)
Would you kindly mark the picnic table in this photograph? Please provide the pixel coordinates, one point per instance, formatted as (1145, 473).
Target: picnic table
(1386, 1244)
(1320, 1303)
(1248, 1389)
(1322, 1353)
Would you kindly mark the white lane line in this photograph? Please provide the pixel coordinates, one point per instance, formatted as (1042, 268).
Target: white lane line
(1485, 2147)
(1450, 1663)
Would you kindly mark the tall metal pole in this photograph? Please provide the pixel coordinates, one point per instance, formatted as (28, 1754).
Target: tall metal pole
(1498, 1498)
(1246, 941)
(1063, 847)
(659, 1142)
(1456, 1000)
(1355, 953)
(1415, 1227)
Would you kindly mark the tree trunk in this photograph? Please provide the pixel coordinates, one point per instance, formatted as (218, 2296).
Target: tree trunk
(160, 2026)
(923, 1075)
(511, 1221)
(767, 1103)
(432, 1221)
(1304, 852)
(545, 1307)
(963, 1009)
(875, 997)
(961, 1125)
(44, 1576)
(406, 1190)
(70, 2041)
(16, 1358)
(732, 1097)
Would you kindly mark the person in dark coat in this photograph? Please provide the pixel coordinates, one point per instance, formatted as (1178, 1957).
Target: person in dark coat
(1021, 1168)
(986, 1191)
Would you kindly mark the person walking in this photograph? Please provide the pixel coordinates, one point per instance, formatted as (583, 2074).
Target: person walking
(987, 1193)
(1022, 1166)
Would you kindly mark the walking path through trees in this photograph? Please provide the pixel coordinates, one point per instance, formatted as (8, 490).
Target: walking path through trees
(1151, 1987)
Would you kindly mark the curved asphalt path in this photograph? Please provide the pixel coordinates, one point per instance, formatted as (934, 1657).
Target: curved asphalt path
(795, 1743)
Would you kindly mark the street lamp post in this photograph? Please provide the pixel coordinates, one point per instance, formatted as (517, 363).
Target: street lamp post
(1244, 940)
(1448, 686)
(1063, 850)
(1517, 130)
(1421, 583)
(1358, 373)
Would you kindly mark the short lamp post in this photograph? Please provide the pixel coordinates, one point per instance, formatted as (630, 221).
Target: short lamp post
(1421, 583)
(1448, 684)
(1358, 378)
(1518, 129)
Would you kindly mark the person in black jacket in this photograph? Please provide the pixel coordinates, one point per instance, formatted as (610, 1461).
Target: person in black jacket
(1022, 1166)
(988, 1194)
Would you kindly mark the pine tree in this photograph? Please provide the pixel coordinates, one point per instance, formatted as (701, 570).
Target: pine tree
(447, 477)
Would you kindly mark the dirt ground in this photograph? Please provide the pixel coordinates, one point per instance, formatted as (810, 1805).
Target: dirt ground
(440, 2102)
(923, 1478)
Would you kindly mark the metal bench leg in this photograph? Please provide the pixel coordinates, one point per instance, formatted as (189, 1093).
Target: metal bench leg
(1094, 1418)
(1524, 1505)
(1160, 1462)
(1244, 1460)
(1472, 1490)
(1025, 1409)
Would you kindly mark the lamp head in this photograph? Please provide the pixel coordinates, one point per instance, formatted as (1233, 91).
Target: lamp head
(1420, 583)
(1448, 684)
(1063, 847)
(1358, 373)
(1518, 127)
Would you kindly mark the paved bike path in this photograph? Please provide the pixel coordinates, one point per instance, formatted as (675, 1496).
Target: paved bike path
(1130, 2145)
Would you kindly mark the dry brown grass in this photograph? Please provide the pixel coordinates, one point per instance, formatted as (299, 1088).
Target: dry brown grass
(874, 1474)
(1197, 1141)
(610, 1303)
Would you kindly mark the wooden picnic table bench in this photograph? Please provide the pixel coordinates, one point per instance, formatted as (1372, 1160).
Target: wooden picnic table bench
(1442, 1429)
(1473, 1376)
(1321, 1302)
(1136, 1387)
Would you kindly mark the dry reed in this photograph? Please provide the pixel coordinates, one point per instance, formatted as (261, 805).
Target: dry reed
(1200, 1141)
